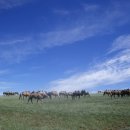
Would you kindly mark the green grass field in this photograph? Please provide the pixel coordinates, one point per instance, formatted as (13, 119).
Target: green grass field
(94, 113)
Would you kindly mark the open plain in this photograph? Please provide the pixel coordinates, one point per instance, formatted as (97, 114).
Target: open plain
(96, 112)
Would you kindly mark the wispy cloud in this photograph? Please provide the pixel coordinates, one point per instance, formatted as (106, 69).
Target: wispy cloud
(79, 29)
(15, 50)
(3, 72)
(34, 68)
(13, 41)
(7, 4)
(4, 85)
(90, 7)
(111, 71)
(121, 43)
(69, 36)
(71, 71)
(61, 12)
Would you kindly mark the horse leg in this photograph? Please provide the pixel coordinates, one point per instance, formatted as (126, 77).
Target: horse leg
(37, 100)
(31, 100)
(28, 99)
(72, 97)
(110, 95)
(20, 96)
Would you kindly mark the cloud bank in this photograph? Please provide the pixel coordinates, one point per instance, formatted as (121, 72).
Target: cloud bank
(112, 71)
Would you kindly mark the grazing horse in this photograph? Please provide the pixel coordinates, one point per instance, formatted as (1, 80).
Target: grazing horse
(115, 93)
(16, 93)
(37, 95)
(70, 93)
(76, 94)
(8, 93)
(84, 93)
(53, 93)
(63, 94)
(24, 94)
(125, 92)
(107, 92)
(99, 91)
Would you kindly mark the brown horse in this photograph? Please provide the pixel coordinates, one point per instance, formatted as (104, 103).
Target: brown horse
(24, 94)
(36, 95)
(107, 92)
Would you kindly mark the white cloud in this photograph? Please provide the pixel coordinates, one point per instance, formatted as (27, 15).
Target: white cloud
(61, 12)
(83, 27)
(6, 85)
(59, 38)
(14, 41)
(123, 42)
(71, 71)
(3, 72)
(15, 50)
(88, 7)
(7, 4)
(111, 71)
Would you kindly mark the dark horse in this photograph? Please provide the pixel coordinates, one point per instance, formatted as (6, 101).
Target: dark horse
(76, 94)
(84, 93)
(8, 93)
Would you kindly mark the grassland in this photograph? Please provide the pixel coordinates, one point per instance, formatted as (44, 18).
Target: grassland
(94, 113)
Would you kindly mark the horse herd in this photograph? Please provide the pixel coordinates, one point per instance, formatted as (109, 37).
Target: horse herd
(117, 93)
(9, 93)
(39, 95)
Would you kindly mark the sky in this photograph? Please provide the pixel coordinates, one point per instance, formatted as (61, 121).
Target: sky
(64, 45)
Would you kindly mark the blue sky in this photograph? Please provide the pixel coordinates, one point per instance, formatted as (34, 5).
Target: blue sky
(64, 45)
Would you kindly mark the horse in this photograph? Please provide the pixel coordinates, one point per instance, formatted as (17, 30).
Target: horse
(63, 94)
(16, 93)
(107, 92)
(115, 93)
(24, 94)
(8, 93)
(125, 92)
(37, 95)
(84, 93)
(76, 94)
(53, 93)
